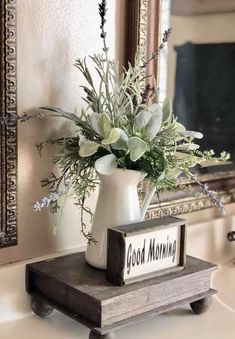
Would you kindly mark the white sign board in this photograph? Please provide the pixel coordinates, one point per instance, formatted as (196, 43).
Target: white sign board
(143, 250)
(152, 251)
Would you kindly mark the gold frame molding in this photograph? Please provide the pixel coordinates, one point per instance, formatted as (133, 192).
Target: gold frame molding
(143, 19)
(8, 134)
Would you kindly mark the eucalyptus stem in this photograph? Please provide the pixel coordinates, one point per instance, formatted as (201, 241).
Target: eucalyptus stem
(86, 234)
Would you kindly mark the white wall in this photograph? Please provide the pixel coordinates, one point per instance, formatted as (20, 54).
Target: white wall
(51, 35)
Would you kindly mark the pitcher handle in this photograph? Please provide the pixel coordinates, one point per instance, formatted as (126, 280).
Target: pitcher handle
(147, 199)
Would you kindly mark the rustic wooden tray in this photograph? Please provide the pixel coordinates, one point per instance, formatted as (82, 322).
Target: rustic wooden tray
(70, 285)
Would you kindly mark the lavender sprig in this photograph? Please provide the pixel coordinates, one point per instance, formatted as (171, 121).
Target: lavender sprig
(12, 118)
(102, 12)
(155, 55)
(211, 194)
(47, 201)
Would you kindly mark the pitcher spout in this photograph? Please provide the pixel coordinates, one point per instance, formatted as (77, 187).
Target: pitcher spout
(146, 202)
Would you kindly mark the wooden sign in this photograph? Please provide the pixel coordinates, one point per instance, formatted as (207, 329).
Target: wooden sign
(142, 250)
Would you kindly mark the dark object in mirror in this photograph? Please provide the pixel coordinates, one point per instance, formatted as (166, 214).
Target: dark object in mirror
(204, 93)
(8, 131)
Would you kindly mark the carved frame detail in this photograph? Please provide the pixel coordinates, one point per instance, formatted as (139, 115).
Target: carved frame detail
(145, 33)
(8, 134)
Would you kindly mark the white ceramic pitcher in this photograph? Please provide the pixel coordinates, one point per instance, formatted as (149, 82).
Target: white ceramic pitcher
(117, 204)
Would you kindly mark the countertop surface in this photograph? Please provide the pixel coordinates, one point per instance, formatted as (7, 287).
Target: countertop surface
(217, 323)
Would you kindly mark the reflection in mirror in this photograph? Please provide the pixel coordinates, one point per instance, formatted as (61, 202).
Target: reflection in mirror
(8, 134)
(197, 72)
(194, 23)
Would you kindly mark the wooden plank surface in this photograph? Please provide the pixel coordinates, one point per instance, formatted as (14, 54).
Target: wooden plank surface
(128, 321)
(148, 225)
(84, 291)
(153, 313)
(73, 270)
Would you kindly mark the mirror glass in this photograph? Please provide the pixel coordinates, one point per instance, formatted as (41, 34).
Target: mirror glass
(197, 68)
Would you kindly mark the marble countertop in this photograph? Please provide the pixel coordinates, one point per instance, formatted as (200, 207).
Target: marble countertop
(216, 323)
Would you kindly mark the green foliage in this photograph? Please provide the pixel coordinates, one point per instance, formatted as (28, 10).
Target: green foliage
(120, 129)
(123, 125)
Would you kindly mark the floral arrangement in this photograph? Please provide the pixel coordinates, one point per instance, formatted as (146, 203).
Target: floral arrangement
(123, 125)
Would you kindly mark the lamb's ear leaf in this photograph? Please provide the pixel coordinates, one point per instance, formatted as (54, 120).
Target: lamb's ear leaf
(88, 148)
(192, 134)
(141, 120)
(137, 147)
(112, 137)
(155, 109)
(161, 176)
(121, 143)
(179, 127)
(104, 125)
(106, 164)
(167, 110)
(187, 147)
(153, 126)
(94, 121)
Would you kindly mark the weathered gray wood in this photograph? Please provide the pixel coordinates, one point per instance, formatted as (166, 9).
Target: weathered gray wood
(117, 237)
(115, 249)
(101, 331)
(148, 225)
(41, 308)
(154, 313)
(152, 297)
(70, 284)
(201, 306)
(96, 335)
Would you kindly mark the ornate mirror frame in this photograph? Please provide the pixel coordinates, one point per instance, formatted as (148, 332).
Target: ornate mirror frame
(143, 22)
(8, 132)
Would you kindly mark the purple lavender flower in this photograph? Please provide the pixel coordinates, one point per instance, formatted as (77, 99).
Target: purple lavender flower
(166, 35)
(24, 117)
(165, 38)
(211, 194)
(102, 12)
(46, 201)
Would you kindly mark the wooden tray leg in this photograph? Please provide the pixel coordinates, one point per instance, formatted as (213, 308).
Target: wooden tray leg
(96, 335)
(40, 307)
(201, 306)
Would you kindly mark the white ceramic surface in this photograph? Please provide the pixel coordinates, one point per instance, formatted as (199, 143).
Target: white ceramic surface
(224, 283)
(117, 204)
(217, 323)
(205, 239)
(208, 241)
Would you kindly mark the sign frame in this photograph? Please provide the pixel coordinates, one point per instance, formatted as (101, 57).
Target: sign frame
(116, 250)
